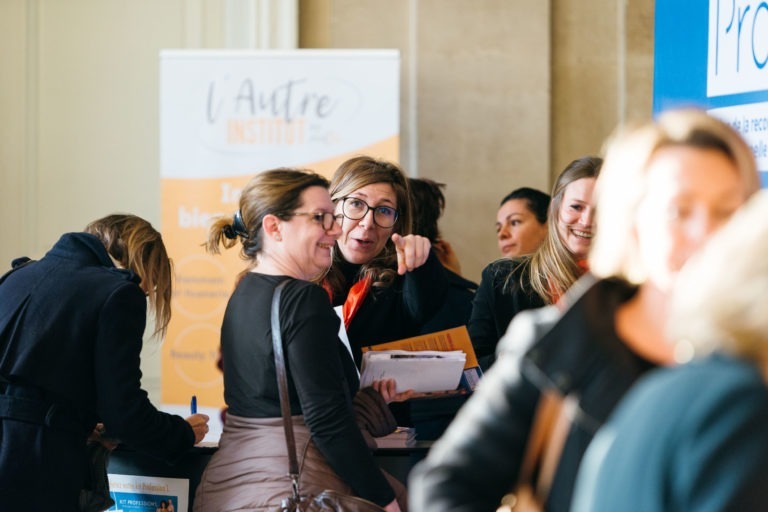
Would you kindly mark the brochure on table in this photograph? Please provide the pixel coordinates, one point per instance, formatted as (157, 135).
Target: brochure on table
(145, 493)
(435, 362)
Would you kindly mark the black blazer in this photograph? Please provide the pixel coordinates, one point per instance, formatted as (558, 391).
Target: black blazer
(504, 291)
(478, 459)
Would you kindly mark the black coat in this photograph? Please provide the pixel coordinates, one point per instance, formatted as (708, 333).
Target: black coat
(71, 328)
(478, 459)
(397, 311)
(504, 291)
(457, 306)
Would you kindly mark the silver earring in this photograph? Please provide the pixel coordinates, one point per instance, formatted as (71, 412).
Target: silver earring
(278, 237)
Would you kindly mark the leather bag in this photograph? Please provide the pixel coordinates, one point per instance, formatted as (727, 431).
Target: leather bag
(327, 500)
(551, 424)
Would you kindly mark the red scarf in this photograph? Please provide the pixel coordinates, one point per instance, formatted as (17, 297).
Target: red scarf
(355, 298)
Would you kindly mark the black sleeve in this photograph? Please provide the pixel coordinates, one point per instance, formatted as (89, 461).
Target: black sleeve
(477, 460)
(424, 289)
(482, 320)
(122, 405)
(505, 291)
(314, 365)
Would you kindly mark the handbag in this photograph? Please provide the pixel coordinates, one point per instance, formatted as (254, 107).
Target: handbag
(551, 424)
(327, 500)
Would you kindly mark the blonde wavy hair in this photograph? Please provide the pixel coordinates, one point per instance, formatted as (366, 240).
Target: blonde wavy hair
(726, 311)
(622, 184)
(553, 268)
(137, 246)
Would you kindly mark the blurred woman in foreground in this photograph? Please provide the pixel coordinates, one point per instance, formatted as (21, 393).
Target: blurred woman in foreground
(695, 437)
(666, 186)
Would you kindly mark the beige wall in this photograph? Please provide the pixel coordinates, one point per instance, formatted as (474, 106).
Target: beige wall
(498, 94)
(495, 94)
(79, 108)
(602, 70)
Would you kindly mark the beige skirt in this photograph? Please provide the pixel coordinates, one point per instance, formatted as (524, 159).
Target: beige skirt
(249, 471)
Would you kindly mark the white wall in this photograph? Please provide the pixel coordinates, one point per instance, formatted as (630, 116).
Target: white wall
(79, 107)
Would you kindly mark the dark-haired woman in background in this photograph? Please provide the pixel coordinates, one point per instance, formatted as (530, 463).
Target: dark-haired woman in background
(428, 206)
(521, 222)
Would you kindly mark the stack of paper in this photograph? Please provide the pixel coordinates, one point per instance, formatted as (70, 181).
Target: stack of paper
(443, 341)
(423, 371)
(402, 437)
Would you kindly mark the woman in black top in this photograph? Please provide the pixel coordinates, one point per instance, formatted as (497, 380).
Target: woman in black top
(287, 226)
(665, 187)
(387, 280)
(509, 286)
(71, 327)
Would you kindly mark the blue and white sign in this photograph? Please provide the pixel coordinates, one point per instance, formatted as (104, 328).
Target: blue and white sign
(715, 56)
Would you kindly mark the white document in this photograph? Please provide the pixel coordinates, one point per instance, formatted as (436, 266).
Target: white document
(423, 371)
(343, 336)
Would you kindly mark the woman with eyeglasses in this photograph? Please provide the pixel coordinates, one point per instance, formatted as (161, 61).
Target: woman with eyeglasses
(287, 226)
(387, 280)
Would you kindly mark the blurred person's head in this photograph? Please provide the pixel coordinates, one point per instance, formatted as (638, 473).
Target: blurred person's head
(665, 188)
(135, 245)
(714, 310)
(428, 204)
(521, 221)
(286, 215)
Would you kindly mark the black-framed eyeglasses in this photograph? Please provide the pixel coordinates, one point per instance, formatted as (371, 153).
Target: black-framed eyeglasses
(355, 208)
(325, 219)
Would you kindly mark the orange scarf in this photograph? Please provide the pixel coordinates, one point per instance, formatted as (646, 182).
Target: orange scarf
(355, 298)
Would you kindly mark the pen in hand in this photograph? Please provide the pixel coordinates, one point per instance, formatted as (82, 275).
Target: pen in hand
(193, 404)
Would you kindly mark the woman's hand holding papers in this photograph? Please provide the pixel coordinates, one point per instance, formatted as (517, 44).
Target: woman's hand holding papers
(387, 388)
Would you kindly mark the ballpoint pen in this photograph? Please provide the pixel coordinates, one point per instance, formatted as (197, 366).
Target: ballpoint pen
(193, 404)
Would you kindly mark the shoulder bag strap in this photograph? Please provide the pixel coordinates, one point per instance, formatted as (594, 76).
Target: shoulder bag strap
(551, 423)
(544, 421)
(553, 449)
(282, 388)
